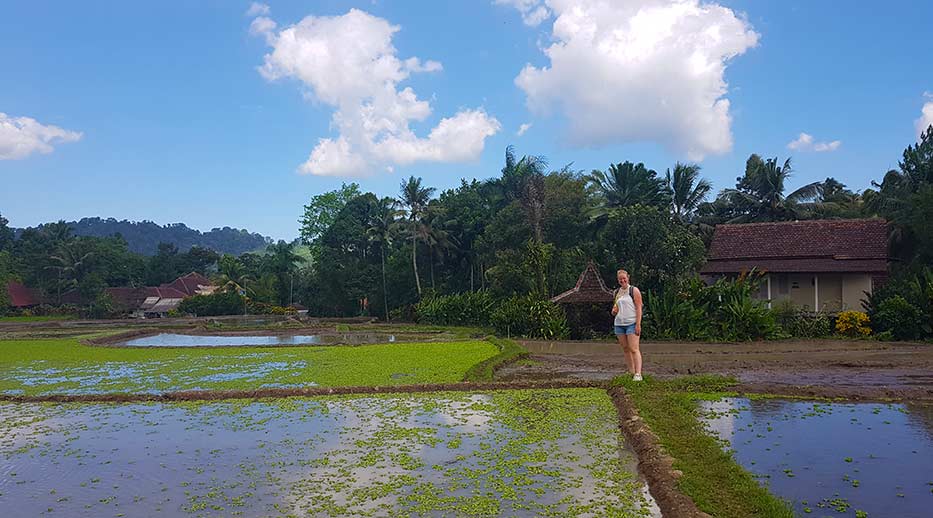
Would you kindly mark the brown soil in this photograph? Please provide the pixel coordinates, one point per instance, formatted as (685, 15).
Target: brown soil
(824, 368)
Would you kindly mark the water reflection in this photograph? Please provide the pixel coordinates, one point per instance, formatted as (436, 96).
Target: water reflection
(823, 456)
(181, 340)
(339, 456)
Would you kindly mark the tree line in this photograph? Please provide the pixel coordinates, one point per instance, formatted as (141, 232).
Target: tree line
(527, 231)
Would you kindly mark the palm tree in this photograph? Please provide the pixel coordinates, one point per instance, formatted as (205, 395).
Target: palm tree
(68, 262)
(687, 190)
(759, 195)
(379, 231)
(627, 184)
(515, 172)
(415, 199)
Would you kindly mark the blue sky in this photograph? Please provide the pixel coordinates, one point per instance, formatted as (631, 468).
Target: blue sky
(160, 111)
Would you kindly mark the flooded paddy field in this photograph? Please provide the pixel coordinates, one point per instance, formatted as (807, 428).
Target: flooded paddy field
(833, 459)
(66, 366)
(266, 340)
(510, 452)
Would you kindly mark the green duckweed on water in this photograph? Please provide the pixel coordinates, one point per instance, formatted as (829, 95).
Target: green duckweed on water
(65, 366)
(523, 452)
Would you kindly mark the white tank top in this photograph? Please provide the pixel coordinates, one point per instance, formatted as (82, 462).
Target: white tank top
(626, 315)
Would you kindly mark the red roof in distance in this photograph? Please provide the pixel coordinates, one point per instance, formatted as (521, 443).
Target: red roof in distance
(21, 296)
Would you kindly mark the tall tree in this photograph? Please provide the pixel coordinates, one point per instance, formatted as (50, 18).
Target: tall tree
(687, 190)
(281, 262)
(627, 184)
(321, 211)
(415, 197)
(379, 232)
(759, 194)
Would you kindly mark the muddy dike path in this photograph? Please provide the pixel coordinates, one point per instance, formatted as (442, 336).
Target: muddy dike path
(821, 368)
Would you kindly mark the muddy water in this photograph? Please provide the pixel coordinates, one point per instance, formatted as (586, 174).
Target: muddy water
(180, 340)
(522, 453)
(834, 459)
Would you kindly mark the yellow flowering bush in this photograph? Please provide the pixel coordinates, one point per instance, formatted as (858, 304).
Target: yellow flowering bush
(853, 324)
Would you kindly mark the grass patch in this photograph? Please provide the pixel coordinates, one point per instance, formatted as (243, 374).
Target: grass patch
(509, 351)
(711, 476)
(45, 318)
(65, 366)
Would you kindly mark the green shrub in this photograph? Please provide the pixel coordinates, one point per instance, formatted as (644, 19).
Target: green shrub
(531, 317)
(102, 307)
(404, 313)
(900, 318)
(261, 308)
(675, 314)
(795, 322)
(463, 309)
(694, 310)
(215, 304)
(904, 321)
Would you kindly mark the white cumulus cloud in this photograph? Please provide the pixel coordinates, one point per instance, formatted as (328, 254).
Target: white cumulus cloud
(523, 128)
(641, 70)
(533, 11)
(23, 136)
(926, 115)
(257, 9)
(348, 62)
(806, 142)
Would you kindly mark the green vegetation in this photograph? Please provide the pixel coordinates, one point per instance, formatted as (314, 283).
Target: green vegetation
(724, 310)
(525, 452)
(66, 366)
(524, 234)
(36, 318)
(711, 476)
(509, 351)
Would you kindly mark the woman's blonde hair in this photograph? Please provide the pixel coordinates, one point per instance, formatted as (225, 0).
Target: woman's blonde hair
(622, 271)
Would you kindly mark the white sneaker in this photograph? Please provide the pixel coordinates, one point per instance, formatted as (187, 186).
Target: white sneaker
(636, 377)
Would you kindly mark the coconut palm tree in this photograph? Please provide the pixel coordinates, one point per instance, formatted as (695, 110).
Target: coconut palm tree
(627, 184)
(380, 231)
(68, 261)
(759, 195)
(415, 197)
(687, 190)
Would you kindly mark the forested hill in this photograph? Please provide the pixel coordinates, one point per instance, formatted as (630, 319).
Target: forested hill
(144, 236)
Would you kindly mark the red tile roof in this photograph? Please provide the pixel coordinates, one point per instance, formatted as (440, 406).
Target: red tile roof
(590, 288)
(854, 245)
(188, 284)
(21, 296)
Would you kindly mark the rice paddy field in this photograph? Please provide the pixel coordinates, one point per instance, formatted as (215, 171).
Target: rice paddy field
(68, 366)
(514, 453)
(417, 437)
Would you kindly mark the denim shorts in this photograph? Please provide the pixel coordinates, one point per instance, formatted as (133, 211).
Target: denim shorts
(625, 330)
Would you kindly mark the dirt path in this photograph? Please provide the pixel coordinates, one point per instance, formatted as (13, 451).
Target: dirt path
(836, 368)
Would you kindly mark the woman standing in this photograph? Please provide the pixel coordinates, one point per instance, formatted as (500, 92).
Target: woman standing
(627, 310)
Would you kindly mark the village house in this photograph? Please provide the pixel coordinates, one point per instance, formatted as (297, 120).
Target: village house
(140, 302)
(819, 265)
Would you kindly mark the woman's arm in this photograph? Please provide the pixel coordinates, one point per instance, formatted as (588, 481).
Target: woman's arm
(615, 303)
(638, 306)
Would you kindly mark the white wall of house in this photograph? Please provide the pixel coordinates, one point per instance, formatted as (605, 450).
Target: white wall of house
(817, 291)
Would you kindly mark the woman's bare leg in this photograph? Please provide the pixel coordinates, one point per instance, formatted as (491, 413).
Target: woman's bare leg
(628, 356)
(635, 351)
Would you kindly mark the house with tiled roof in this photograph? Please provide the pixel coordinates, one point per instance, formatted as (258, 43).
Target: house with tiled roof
(819, 265)
(21, 296)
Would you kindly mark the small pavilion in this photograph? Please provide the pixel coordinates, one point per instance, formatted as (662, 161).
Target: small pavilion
(588, 304)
